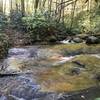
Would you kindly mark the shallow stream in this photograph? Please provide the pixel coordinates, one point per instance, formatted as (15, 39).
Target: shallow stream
(41, 73)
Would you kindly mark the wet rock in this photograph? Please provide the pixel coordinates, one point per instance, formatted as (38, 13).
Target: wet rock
(12, 97)
(3, 97)
(52, 96)
(46, 53)
(82, 36)
(77, 40)
(74, 53)
(7, 75)
(19, 88)
(75, 71)
(33, 52)
(79, 63)
(1, 66)
(92, 40)
(13, 64)
(97, 77)
(52, 39)
(23, 52)
(17, 51)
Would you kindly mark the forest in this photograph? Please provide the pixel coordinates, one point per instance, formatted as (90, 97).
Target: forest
(49, 49)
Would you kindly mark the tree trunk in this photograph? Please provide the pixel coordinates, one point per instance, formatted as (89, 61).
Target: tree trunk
(1, 6)
(50, 7)
(11, 5)
(4, 7)
(73, 11)
(16, 3)
(23, 7)
(60, 11)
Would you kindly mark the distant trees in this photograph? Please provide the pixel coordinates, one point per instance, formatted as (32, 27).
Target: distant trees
(61, 11)
(58, 5)
(1, 5)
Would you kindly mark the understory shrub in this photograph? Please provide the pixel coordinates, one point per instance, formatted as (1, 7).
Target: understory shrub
(4, 45)
(42, 29)
(16, 19)
(3, 21)
(87, 21)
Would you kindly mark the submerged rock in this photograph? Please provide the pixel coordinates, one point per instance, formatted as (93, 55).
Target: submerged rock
(17, 51)
(80, 64)
(75, 71)
(97, 77)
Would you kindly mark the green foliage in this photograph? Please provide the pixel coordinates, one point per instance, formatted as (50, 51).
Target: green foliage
(97, 99)
(16, 19)
(42, 29)
(82, 21)
(87, 21)
(95, 24)
(4, 45)
(3, 21)
(97, 10)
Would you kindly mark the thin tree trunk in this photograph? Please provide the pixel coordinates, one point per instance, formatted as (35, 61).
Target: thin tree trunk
(36, 4)
(56, 11)
(60, 11)
(1, 6)
(16, 3)
(27, 7)
(4, 7)
(11, 5)
(23, 7)
(63, 12)
(32, 5)
(50, 7)
(73, 12)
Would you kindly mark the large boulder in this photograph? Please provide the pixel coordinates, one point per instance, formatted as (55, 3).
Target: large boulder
(92, 40)
(77, 40)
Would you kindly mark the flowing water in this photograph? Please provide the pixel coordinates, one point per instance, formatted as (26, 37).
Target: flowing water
(38, 73)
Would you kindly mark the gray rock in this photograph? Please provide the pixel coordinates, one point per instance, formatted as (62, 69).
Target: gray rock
(16, 51)
(75, 71)
(77, 40)
(92, 40)
(97, 77)
(81, 65)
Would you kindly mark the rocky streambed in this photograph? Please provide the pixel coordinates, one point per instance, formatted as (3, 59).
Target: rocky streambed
(56, 72)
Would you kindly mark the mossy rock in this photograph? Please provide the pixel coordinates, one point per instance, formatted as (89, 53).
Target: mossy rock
(4, 45)
(92, 40)
(61, 76)
(76, 49)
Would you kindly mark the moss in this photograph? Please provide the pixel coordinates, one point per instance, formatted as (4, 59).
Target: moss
(74, 49)
(60, 79)
(92, 63)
